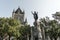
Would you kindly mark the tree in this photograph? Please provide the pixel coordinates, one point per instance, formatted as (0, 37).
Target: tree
(14, 26)
(25, 32)
(54, 29)
(2, 20)
(10, 27)
(56, 16)
(51, 28)
(43, 25)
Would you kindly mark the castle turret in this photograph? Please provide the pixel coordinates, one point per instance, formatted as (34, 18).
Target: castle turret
(18, 14)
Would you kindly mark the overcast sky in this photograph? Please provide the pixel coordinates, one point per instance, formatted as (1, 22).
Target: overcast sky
(43, 7)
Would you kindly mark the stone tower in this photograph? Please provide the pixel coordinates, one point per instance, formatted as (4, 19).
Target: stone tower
(19, 15)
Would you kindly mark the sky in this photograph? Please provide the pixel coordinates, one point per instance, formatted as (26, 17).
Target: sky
(43, 7)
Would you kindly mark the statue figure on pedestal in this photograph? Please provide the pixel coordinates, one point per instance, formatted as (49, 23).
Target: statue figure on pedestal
(36, 32)
(35, 15)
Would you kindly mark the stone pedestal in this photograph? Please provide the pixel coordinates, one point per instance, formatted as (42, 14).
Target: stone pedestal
(37, 31)
(31, 34)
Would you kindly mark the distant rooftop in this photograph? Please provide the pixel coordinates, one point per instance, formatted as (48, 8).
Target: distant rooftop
(18, 10)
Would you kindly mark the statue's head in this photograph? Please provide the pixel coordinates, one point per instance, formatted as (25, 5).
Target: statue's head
(35, 14)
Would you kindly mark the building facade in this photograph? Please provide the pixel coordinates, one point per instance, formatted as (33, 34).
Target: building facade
(19, 15)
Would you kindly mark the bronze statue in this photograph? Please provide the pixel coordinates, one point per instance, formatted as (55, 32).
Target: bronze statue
(35, 14)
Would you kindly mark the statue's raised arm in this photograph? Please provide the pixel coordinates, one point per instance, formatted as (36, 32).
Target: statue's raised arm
(35, 14)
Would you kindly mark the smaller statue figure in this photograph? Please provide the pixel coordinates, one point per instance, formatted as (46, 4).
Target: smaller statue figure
(35, 15)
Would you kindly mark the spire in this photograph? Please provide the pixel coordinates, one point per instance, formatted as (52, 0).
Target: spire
(13, 11)
(25, 21)
(23, 11)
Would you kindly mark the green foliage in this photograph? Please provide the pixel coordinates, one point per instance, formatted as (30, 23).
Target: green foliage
(13, 27)
(24, 30)
(53, 29)
(9, 26)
